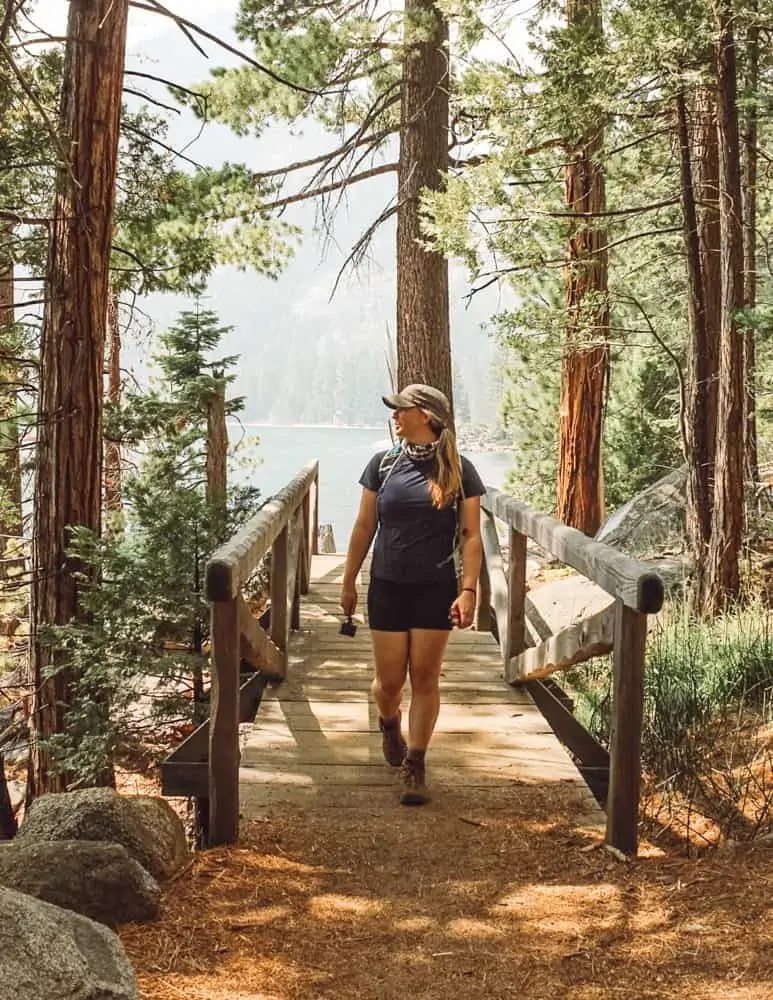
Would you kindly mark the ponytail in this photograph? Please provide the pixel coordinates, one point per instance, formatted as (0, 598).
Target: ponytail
(447, 483)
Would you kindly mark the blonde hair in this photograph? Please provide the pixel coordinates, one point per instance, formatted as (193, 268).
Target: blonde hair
(446, 484)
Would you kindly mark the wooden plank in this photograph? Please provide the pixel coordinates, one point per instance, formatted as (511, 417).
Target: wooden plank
(531, 768)
(582, 641)
(361, 693)
(288, 757)
(497, 579)
(625, 734)
(233, 563)
(277, 735)
(572, 734)
(636, 583)
(223, 782)
(254, 644)
(462, 717)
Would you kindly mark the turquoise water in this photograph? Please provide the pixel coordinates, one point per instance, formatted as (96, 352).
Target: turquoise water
(342, 453)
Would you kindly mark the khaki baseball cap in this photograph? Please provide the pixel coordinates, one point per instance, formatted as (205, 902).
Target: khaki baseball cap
(425, 397)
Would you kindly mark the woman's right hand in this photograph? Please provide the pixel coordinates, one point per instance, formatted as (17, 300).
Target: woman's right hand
(348, 598)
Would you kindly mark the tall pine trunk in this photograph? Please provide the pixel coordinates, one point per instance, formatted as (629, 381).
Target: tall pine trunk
(585, 363)
(698, 439)
(11, 559)
(749, 156)
(217, 458)
(707, 188)
(113, 475)
(723, 580)
(68, 491)
(423, 331)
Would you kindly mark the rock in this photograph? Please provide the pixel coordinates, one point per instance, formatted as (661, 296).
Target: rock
(652, 522)
(49, 953)
(557, 604)
(146, 826)
(98, 880)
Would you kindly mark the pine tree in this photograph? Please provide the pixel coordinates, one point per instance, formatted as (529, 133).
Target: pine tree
(144, 650)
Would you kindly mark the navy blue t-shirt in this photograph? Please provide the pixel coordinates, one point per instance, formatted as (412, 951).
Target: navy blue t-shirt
(415, 540)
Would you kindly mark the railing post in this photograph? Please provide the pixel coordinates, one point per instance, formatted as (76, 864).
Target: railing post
(304, 567)
(625, 735)
(315, 515)
(279, 615)
(483, 605)
(224, 725)
(516, 596)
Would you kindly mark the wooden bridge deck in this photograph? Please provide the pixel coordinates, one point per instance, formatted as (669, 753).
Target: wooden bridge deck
(315, 739)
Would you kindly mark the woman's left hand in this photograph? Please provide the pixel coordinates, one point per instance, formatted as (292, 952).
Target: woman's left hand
(463, 609)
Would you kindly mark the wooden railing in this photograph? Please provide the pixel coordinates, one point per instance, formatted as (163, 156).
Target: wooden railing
(622, 630)
(286, 527)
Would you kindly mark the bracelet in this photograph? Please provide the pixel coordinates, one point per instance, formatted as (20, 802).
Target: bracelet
(472, 590)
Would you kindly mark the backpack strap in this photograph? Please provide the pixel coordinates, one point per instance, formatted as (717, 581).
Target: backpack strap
(388, 461)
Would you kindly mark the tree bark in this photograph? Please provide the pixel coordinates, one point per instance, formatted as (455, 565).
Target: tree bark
(113, 475)
(423, 331)
(585, 363)
(217, 457)
(707, 184)
(749, 157)
(11, 558)
(699, 447)
(68, 490)
(723, 582)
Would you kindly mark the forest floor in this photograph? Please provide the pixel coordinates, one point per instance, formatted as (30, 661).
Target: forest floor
(469, 897)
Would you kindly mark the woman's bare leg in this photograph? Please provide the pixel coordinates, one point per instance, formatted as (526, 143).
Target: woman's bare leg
(427, 648)
(390, 652)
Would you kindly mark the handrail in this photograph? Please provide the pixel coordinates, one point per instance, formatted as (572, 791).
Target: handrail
(234, 562)
(633, 581)
(638, 590)
(287, 528)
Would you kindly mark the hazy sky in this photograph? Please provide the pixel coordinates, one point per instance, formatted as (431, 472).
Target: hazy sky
(51, 15)
(245, 300)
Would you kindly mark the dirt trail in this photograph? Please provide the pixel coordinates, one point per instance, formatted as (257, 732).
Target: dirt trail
(467, 898)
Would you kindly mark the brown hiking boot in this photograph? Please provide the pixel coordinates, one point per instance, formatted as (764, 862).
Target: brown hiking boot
(392, 742)
(415, 791)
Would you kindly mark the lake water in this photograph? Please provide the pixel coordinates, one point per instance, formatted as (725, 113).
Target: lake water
(342, 453)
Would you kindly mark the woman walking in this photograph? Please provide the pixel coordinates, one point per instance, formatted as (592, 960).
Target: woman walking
(421, 501)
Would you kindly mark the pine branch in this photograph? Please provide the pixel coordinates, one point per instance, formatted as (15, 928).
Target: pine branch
(313, 161)
(360, 248)
(63, 151)
(8, 16)
(169, 149)
(23, 220)
(636, 210)
(292, 199)
(189, 28)
(167, 83)
(152, 100)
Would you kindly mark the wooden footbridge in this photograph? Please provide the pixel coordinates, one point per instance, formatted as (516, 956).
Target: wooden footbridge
(292, 719)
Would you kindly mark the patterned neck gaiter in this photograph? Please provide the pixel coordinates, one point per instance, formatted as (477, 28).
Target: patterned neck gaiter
(420, 452)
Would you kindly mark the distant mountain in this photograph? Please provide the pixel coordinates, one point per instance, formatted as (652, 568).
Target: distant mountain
(305, 357)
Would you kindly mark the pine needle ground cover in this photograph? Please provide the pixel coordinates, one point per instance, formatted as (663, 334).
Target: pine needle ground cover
(471, 897)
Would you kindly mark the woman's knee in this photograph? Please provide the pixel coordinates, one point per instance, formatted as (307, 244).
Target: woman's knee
(425, 680)
(390, 685)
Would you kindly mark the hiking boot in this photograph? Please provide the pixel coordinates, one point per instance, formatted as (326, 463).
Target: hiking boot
(415, 791)
(392, 742)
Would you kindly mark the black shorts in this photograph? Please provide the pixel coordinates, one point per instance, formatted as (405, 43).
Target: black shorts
(399, 607)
